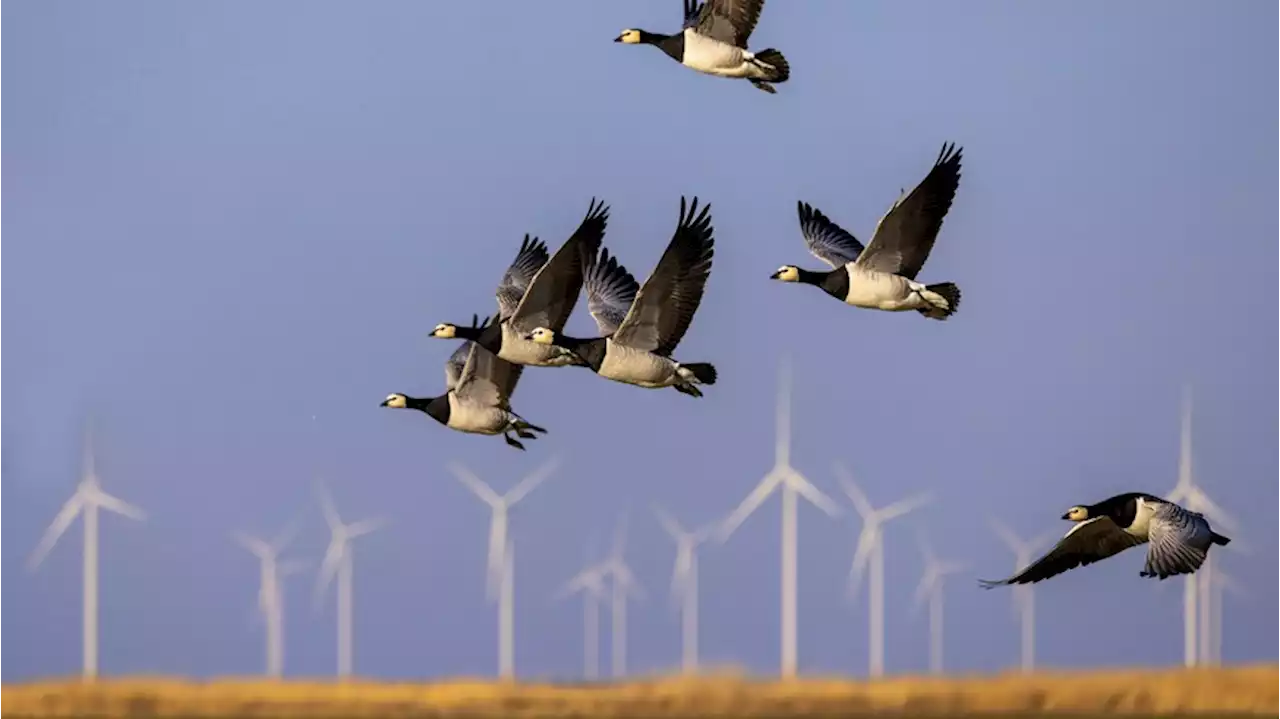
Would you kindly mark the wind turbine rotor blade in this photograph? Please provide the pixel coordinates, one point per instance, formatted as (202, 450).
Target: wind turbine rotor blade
(117, 505)
(366, 526)
(1211, 509)
(750, 504)
(805, 488)
(1006, 535)
(529, 483)
(327, 506)
(853, 491)
(473, 483)
(60, 523)
(253, 544)
(904, 506)
(328, 568)
(669, 523)
(928, 584)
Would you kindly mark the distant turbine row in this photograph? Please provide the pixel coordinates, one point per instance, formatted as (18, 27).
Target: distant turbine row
(1202, 598)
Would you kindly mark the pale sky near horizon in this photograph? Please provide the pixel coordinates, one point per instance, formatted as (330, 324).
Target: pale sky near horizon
(230, 227)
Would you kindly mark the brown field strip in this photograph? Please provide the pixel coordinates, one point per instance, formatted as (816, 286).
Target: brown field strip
(1246, 690)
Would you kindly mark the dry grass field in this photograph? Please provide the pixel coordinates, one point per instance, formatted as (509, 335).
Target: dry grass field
(1235, 691)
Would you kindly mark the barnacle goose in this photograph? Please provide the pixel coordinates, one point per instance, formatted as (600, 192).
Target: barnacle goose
(713, 40)
(547, 301)
(635, 345)
(882, 275)
(1179, 539)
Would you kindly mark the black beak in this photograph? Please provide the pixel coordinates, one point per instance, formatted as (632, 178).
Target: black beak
(384, 403)
(618, 39)
(1067, 515)
(775, 275)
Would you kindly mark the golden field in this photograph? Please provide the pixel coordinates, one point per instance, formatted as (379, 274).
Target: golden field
(1246, 690)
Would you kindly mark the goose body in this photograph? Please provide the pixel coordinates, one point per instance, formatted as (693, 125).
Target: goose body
(881, 276)
(546, 300)
(639, 335)
(477, 400)
(1178, 539)
(713, 41)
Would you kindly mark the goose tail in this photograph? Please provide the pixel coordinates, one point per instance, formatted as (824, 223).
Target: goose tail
(943, 299)
(1219, 540)
(774, 65)
(699, 372)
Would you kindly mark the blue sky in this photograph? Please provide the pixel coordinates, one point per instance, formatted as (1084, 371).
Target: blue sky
(232, 225)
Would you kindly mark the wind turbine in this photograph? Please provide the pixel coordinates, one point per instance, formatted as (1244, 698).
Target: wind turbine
(590, 582)
(624, 583)
(87, 500)
(785, 478)
(1221, 581)
(870, 555)
(339, 562)
(930, 587)
(1187, 493)
(500, 567)
(271, 591)
(1023, 596)
(684, 584)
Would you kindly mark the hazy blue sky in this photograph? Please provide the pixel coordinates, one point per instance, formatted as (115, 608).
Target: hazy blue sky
(225, 219)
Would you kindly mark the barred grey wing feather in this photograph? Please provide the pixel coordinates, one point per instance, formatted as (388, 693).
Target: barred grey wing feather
(905, 236)
(554, 290)
(487, 379)
(825, 239)
(665, 305)
(454, 366)
(1085, 543)
(531, 258)
(1179, 542)
(729, 21)
(610, 291)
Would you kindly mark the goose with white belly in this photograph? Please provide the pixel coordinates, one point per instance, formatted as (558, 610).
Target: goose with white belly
(636, 343)
(547, 301)
(479, 402)
(882, 276)
(713, 41)
(1179, 539)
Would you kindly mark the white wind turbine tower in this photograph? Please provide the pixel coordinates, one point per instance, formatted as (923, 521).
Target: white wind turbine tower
(870, 555)
(785, 478)
(1023, 594)
(498, 583)
(1221, 581)
(684, 584)
(624, 583)
(1187, 493)
(87, 499)
(271, 592)
(930, 587)
(339, 562)
(590, 582)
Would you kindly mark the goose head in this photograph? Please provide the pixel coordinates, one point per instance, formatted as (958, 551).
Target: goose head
(786, 273)
(395, 400)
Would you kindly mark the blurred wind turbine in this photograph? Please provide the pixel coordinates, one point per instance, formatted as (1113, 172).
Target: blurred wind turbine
(684, 584)
(500, 569)
(870, 555)
(87, 500)
(930, 587)
(1187, 493)
(1023, 594)
(791, 483)
(624, 583)
(1221, 581)
(339, 562)
(271, 591)
(590, 582)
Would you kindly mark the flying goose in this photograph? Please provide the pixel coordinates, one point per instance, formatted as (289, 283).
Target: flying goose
(458, 360)
(882, 275)
(1179, 538)
(547, 301)
(713, 40)
(479, 402)
(636, 344)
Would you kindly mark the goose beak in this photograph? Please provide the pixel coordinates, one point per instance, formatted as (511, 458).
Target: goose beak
(384, 403)
(1066, 515)
(618, 38)
(775, 275)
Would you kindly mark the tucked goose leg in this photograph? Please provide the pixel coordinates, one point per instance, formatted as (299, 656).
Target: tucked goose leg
(688, 389)
(513, 442)
(761, 84)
